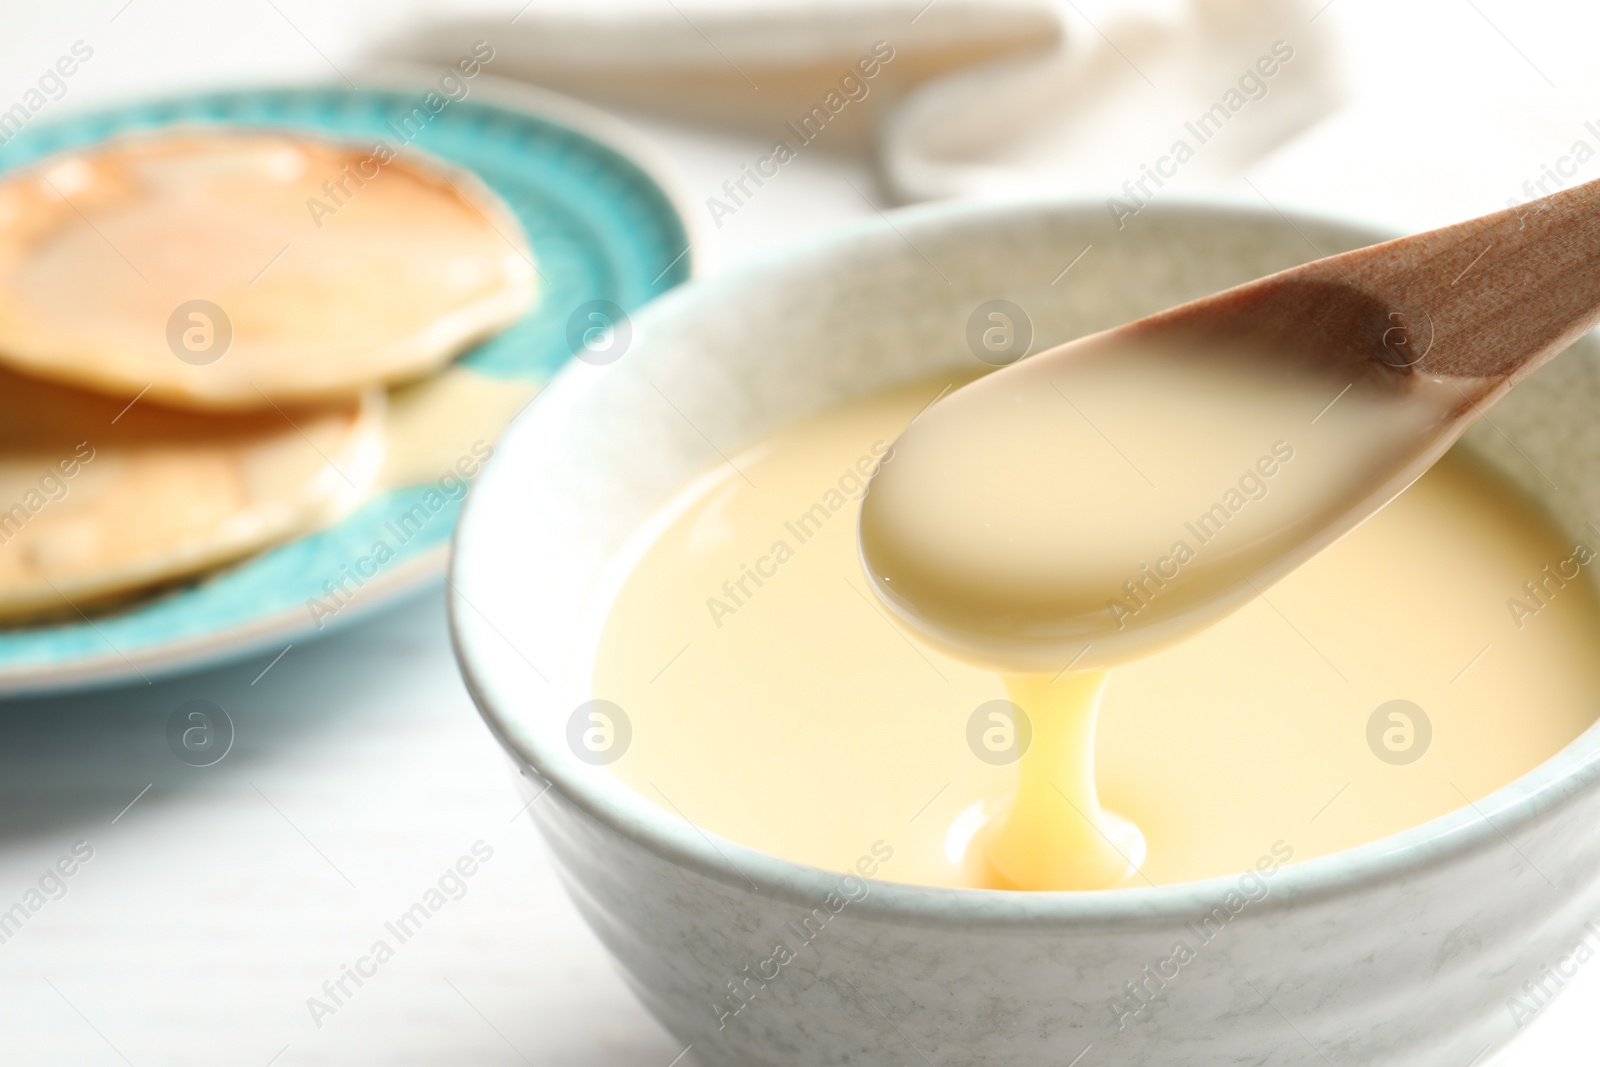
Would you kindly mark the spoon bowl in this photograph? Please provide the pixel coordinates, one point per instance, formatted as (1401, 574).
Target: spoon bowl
(1101, 500)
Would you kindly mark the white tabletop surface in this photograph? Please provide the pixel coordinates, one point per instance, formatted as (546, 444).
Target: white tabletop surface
(218, 899)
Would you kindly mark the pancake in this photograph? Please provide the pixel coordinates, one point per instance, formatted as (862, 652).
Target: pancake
(98, 502)
(233, 269)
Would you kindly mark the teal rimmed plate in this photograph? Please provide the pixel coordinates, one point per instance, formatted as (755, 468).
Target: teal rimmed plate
(601, 214)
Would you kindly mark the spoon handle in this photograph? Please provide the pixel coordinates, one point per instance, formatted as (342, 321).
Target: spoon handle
(1504, 292)
(1488, 300)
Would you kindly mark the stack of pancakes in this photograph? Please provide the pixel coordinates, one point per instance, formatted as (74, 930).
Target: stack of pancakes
(198, 329)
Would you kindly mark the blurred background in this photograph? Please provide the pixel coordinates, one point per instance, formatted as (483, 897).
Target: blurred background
(219, 898)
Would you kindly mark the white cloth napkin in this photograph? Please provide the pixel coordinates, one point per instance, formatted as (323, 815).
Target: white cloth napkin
(951, 96)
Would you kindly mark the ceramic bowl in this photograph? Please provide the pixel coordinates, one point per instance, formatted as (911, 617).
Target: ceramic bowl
(1403, 951)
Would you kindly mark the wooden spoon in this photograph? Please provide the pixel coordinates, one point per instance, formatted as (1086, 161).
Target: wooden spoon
(1110, 496)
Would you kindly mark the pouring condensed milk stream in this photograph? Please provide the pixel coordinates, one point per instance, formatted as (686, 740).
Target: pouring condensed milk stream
(990, 536)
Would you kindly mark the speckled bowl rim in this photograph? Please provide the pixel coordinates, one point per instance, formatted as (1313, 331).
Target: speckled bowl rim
(607, 800)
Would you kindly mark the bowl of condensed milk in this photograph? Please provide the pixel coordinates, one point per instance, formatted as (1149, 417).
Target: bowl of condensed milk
(1354, 814)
